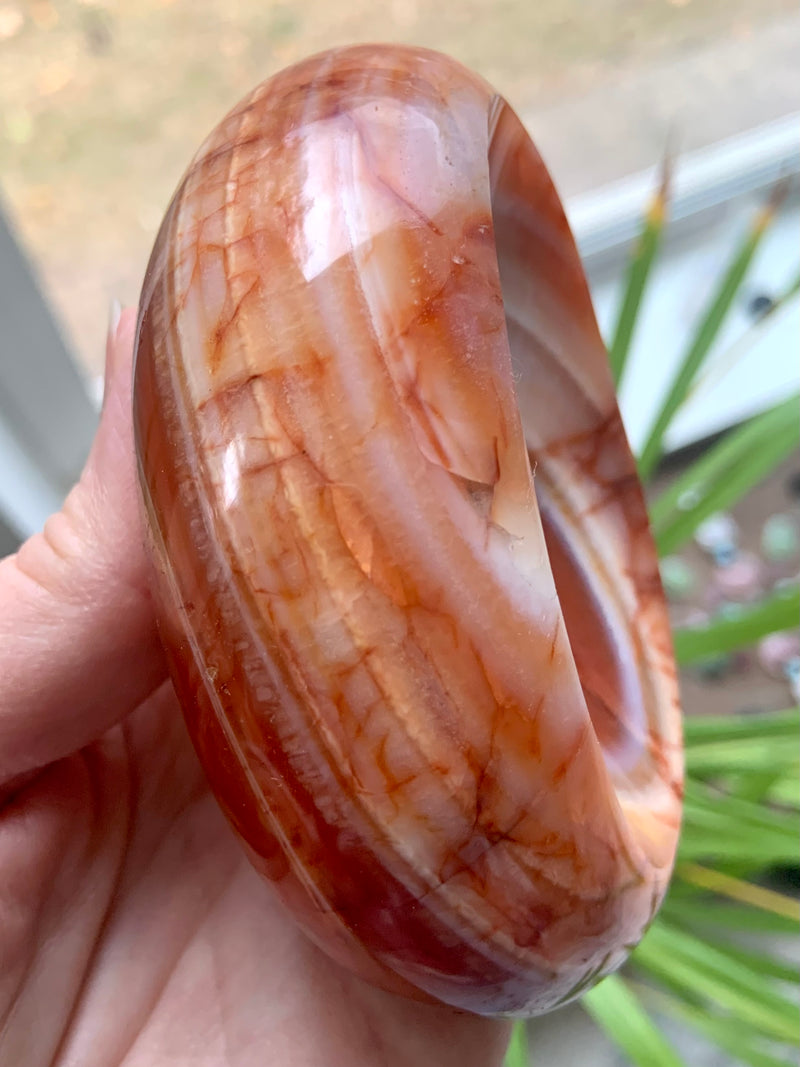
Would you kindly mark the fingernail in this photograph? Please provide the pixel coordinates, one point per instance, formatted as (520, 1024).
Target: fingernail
(114, 316)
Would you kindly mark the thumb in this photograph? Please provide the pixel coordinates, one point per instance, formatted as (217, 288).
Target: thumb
(78, 643)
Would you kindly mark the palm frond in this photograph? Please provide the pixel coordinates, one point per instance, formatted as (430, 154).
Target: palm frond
(779, 611)
(705, 335)
(517, 1054)
(618, 1011)
(638, 272)
(725, 473)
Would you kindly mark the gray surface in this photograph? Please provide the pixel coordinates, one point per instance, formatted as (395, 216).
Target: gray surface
(621, 126)
(46, 419)
(43, 400)
(9, 539)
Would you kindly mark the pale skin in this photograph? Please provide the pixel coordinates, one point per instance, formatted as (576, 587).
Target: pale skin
(132, 929)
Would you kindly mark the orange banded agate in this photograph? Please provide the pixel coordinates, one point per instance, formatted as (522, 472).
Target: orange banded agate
(402, 560)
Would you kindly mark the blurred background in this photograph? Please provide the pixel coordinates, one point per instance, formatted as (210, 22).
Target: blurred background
(103, 103)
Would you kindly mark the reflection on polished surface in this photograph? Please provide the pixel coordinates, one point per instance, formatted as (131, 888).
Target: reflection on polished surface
(443, 721)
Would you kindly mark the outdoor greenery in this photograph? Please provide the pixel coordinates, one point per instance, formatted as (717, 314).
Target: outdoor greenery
(708, 960)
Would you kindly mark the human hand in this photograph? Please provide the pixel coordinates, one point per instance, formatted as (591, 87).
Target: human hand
(132, 929)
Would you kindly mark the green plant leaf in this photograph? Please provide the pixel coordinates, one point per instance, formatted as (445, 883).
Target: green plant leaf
(713, 729)
(742, 753)
(755, 758)
(697, 971)
(707, 805)
(517, 1053)
(744, 756)
(762, 962)
(737, 889)
(758, 756)
(725, 473)
(709, 912)
(638, 272)
(777, 612)
(618, 1011)
(729, 1033)
(785, 792)
(737, 835)
(748, 340)
(704, 337)
(765, 787)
